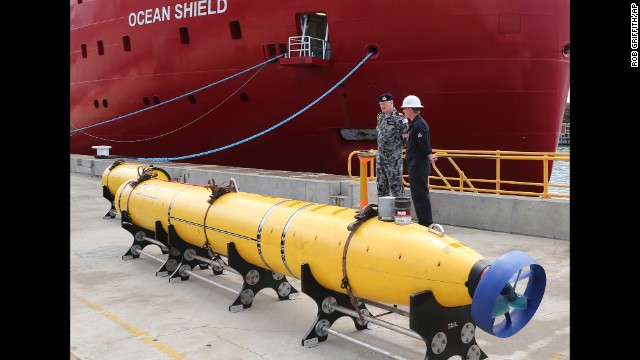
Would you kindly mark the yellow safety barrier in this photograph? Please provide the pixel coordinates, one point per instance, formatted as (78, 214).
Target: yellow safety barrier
(498, 185)
(365, 158)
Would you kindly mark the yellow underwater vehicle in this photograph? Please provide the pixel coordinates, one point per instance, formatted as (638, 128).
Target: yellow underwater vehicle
(344, 257)
(119, 173)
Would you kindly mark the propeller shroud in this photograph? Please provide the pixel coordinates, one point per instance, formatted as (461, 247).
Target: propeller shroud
(496, 296)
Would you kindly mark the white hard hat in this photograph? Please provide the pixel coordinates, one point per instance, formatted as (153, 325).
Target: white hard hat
(411, 101)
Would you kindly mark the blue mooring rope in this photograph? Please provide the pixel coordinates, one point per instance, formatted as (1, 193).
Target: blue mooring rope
(267, 130)
(176, 98)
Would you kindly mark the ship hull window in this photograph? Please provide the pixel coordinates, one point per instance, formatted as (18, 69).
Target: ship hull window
(234, 29)
(126, 43)
(184, 35)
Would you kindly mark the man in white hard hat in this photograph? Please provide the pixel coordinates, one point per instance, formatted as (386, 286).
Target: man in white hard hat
(419, 159)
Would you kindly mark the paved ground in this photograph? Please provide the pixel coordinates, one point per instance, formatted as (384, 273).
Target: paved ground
(121, 310)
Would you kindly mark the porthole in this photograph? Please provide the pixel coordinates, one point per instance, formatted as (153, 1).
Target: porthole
(566, 50)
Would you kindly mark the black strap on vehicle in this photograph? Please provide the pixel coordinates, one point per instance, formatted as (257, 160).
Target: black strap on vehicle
(144, 173)
(216, 192)
(368, 212)
(116, 163)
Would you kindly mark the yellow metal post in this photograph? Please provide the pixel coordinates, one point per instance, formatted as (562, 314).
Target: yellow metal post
(365, 157)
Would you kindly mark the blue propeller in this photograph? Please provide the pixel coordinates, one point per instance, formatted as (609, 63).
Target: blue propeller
(509, 299)
(496, 300)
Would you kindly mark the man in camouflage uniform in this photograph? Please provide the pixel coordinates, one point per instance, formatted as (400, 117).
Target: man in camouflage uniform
(392, 128)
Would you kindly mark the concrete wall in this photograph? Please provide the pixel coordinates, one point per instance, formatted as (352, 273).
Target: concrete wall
(501, 213)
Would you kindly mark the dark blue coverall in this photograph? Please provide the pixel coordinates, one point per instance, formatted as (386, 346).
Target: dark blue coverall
(419, 166)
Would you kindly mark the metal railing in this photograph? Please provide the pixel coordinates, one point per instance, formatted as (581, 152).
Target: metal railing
(307, 46)
(497, 185)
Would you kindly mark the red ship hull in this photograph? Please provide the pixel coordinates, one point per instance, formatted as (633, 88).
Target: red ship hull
(493, 75)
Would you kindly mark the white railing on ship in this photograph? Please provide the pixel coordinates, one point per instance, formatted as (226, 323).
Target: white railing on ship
(307, 46)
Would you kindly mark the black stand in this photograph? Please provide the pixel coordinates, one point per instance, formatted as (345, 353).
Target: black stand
(172, 264)
(107, 195)
(176, 257)
(446, 331)
(139, 233)
(326, 316)
(255, 279)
